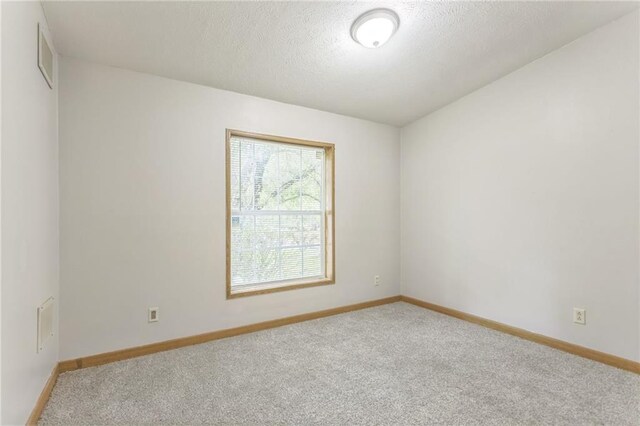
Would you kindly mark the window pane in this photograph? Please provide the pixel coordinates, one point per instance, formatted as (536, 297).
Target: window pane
(267, 265)
(311, 180)
(265, 178)
(290, 163)
(242, 228)
(242, 266)
(291, 260)
(235, 174)
(312, 262)
(266, 233)
(247, 170)
(312, 229)
(291, 230)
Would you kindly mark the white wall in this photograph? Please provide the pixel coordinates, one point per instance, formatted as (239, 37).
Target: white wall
(29, 210)
(142, 181)
(0, 212)
(520, 201)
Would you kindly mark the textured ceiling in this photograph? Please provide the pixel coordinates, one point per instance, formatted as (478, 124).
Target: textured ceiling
(302, 52)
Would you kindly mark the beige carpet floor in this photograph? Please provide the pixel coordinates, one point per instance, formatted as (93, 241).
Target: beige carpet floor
(393, 364)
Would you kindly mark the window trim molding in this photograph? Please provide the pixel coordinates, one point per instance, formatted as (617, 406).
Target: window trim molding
(329, 217)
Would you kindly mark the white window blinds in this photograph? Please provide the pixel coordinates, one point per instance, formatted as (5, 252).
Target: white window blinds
(277, 212)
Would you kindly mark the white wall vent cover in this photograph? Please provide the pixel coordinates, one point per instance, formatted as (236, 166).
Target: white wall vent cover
(45, 323)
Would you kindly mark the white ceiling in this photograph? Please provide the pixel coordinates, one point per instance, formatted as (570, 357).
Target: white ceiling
(302, 52)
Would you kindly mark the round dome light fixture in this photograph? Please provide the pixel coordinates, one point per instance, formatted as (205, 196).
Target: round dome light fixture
(374, 28)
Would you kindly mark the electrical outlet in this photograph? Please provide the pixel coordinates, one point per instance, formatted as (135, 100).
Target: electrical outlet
(154, 314)
(376, 280)
(579, 316)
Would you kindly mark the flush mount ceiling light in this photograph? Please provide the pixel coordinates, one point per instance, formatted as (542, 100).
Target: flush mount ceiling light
(374, 28)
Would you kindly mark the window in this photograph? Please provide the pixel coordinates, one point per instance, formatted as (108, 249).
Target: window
(280, 218)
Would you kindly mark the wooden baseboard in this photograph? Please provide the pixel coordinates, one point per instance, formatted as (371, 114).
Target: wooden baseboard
(94, 360)
(615, 361)
(44, 397)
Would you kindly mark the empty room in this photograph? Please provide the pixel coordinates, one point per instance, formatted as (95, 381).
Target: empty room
(320, 213)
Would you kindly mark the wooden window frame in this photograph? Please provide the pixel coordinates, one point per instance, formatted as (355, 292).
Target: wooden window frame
(329, 216)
